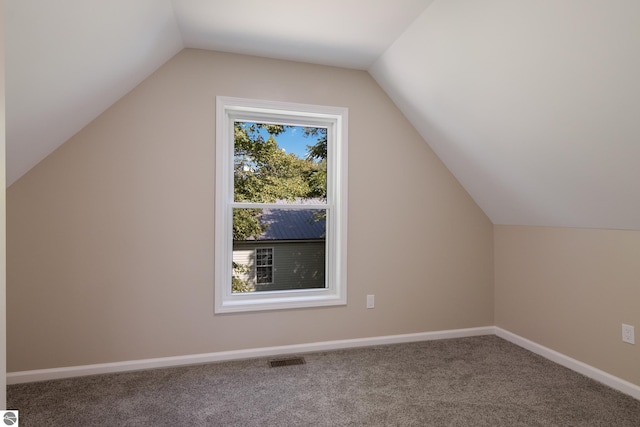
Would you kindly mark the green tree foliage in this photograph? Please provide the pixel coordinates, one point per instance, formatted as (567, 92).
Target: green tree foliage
(264, 173)
(238, 284)
(246, 223)
(317, 153)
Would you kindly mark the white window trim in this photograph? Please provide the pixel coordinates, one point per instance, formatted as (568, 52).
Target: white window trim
(335, 119)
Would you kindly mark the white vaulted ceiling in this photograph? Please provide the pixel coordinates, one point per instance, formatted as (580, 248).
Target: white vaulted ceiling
(345, 33)
(69, 60)
(533, 105)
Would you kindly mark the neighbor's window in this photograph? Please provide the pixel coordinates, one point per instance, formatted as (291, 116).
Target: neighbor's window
(280, 180)
(264, 266)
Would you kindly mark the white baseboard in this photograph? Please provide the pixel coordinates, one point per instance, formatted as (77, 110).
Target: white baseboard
(165, 362)
(573, 364)
(193, 359)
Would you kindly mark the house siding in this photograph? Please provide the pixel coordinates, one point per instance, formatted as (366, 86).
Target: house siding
(245, 257)
(297, 265)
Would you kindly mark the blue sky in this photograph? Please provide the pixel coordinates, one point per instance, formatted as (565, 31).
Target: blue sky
(293, 141)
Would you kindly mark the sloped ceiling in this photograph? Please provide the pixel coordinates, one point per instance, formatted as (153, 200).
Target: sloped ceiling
(68, 60)
(533, 105)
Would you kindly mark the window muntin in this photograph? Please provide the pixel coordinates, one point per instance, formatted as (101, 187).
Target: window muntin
(322, 273)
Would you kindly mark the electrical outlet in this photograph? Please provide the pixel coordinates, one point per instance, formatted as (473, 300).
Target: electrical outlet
(371, 301)
(628, 334)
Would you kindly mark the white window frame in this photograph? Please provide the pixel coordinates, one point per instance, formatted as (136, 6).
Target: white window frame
(335, 119)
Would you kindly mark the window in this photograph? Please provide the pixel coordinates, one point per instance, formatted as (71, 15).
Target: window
(264, 266)
(281, 180)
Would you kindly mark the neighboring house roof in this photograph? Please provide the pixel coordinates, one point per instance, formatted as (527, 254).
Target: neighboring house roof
(293, 224)
(288, 224)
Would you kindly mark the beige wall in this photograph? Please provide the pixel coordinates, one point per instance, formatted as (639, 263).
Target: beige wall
(110, 238)
(3, 334)
(570, 290)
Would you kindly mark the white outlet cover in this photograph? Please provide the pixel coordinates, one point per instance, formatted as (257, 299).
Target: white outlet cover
(628, 334)
(371, 301)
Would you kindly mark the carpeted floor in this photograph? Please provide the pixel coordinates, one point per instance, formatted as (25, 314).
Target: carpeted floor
(478, 381)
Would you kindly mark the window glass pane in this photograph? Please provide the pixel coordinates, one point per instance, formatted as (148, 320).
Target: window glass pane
(285, 249)
(264, 257)
(277, 163)
(264, 275)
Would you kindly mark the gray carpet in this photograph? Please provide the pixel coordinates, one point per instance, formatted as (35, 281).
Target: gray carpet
(478, 381)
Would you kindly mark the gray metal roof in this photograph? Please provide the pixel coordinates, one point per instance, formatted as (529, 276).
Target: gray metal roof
(293, 224)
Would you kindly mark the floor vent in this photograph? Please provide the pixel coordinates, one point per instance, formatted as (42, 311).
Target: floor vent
(275, 363)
